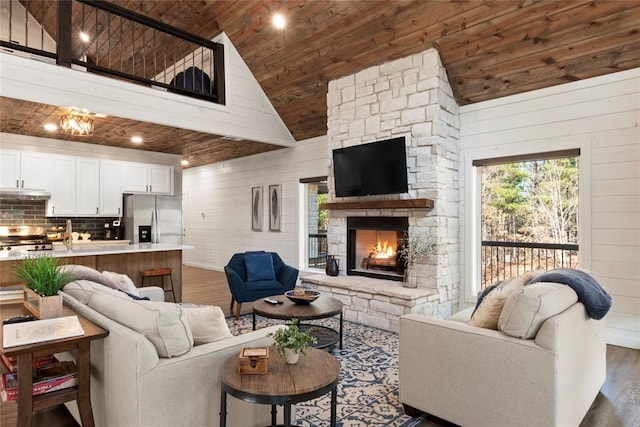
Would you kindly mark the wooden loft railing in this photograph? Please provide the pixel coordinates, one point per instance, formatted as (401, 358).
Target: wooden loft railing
(120, 44)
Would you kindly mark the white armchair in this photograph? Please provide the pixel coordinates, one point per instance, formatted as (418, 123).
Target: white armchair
(481, 377)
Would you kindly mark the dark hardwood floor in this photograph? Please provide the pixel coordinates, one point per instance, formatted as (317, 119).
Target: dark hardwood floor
(617, 405)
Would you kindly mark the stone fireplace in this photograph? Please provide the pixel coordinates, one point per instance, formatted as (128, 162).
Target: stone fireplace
(411, 98)
(374, 246)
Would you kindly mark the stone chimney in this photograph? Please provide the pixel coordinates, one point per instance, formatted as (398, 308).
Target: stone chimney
(408, 97)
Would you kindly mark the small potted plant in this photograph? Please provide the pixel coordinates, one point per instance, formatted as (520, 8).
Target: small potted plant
(44, 278)
(291, 341)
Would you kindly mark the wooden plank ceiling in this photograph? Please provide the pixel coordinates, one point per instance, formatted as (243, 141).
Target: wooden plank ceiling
(490, 49)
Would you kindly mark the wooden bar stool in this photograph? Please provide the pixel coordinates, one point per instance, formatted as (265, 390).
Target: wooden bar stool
(162, 273)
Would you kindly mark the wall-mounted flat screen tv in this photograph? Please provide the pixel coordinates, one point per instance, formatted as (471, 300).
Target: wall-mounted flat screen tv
(370, 169)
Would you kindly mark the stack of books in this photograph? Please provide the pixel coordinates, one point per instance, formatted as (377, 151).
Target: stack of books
(49, 374)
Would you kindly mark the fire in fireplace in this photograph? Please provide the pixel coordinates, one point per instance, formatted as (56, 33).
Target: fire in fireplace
(373, 245)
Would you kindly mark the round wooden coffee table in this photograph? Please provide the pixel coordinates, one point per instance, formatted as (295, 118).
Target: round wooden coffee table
(315, 374)
(321, 308)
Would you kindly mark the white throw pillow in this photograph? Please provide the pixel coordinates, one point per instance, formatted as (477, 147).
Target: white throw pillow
(123, 281)
(207, 323)
(488, 312)
(163, 324)
(82, 272)
(528, 308)
(83, 290)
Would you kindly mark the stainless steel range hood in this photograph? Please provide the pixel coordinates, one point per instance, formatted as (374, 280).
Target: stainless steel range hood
(6, 194)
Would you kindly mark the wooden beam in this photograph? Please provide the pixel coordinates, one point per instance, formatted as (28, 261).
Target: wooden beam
(380, 204)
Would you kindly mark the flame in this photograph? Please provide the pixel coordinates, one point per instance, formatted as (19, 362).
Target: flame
(383, 251)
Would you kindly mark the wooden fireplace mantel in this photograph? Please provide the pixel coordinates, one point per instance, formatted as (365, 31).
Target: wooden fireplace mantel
(380, 204)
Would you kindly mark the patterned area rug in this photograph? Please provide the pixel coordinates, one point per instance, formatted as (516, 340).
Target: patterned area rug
(368, 387)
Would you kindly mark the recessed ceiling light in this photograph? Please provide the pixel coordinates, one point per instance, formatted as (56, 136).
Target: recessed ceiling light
(84, 37)
(136, 139)
(184, 162)
(278, 21)
(51, 127)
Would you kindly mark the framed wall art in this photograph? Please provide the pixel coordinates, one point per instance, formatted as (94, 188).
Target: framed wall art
(275, 207)
(256, 208)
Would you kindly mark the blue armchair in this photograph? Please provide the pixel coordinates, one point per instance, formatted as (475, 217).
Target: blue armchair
(255, 275)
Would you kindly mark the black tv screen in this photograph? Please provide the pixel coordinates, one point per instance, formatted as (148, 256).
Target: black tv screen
(370, 169)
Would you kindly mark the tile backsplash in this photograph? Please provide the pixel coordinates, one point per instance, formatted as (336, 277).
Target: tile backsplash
(32, 212)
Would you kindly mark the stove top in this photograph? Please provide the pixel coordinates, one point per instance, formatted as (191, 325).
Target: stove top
(24, 238)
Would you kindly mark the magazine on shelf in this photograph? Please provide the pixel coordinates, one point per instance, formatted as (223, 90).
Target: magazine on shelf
(41, 330)
(46, 378)
(9, 294)
(11, 362)
(9, 385)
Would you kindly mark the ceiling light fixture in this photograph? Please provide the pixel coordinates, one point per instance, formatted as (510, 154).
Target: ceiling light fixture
(278, 21)
(136, 139)
(74, 124)
(184, 162)
(84, 37)
(50, 127)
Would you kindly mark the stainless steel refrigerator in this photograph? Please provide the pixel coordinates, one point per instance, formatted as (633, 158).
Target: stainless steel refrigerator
(161, 216)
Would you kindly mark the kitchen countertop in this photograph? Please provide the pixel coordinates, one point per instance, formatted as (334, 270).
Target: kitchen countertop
(88, 243)
(95, 249)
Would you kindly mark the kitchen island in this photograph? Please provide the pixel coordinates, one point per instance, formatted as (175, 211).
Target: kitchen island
(123, 258)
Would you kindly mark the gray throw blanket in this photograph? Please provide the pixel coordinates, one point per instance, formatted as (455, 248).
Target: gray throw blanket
(595, 299)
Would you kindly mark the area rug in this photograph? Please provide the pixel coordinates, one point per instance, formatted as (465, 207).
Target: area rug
(368, 387)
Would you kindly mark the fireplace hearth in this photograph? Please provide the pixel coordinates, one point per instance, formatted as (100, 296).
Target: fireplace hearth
(374, 245)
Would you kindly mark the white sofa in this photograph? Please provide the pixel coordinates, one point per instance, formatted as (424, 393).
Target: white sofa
(132, 386)
(473, 376)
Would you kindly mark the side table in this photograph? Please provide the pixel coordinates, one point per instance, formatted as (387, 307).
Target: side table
(322, 308)
(315, 374)
(81, 346)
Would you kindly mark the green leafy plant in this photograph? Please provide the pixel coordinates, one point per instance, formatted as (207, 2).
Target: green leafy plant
(43, 274)
(292, 337)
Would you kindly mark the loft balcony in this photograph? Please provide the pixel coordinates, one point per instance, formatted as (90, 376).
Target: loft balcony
(110, 41)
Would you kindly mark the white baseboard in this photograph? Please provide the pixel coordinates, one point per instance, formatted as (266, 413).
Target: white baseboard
(627, 339)
(204, 266)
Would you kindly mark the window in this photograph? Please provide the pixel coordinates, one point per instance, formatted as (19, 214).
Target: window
(529, 214)
(313, 234)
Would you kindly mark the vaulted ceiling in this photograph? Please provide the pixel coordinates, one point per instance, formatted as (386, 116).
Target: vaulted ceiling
(489, 48)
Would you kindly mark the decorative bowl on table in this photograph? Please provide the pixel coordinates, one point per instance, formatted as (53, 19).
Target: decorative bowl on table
(302, 296)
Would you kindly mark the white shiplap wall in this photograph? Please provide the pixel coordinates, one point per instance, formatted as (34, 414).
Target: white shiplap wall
(601, 116)
(217, 203)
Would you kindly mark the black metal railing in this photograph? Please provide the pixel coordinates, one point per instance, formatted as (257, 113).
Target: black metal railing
(502, 260)
(109, 40)
(318, 250)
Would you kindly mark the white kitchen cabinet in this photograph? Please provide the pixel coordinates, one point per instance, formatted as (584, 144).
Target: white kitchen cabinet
(87, 186)
(22, 170)
(62, 186)
(147, 178)
(111, 188)
(160, 179)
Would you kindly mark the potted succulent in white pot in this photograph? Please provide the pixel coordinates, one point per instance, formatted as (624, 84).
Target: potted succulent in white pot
(291, 342)
(44, 278)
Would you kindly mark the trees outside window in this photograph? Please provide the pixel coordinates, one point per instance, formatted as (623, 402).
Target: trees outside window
(533, 203)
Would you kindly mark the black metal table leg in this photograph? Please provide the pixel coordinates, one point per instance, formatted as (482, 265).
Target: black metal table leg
(341, 325)
(223, 408)
(334, 406)
(287, 415)
(274, 413)
(254, 321)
